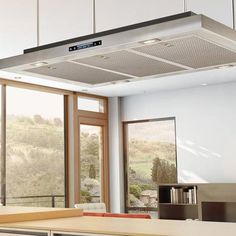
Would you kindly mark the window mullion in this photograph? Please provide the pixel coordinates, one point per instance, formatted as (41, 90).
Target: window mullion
(3, 145)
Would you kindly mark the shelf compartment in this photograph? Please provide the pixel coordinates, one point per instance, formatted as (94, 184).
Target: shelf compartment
(165, 194)
(178, 211)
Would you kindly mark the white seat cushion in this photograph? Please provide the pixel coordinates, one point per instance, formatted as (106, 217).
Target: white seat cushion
(92, 207)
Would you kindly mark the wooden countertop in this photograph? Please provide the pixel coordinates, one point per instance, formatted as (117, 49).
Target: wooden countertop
(129, 227)
(19, 214)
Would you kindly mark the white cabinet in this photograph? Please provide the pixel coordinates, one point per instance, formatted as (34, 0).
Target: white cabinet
(219, 10)
(76, 234)
(64, 19)
(18, 31)
(116, 13)
(22, 232)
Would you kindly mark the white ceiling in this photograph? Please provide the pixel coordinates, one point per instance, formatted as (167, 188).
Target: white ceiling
(174, 82)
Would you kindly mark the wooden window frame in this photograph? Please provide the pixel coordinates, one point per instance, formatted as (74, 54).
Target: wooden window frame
(125, 154)
(96, 119)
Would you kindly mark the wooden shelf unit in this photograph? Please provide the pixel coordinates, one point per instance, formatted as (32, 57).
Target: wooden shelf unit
(209, 197)
(180, 210)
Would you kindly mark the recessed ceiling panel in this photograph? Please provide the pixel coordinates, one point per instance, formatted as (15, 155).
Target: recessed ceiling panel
(130, 63)
(78, 73)
(191, 51)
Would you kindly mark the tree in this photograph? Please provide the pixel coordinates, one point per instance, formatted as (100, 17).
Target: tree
(92, 171)
(57, 122)
(38, 119)
(163, 171)
(135, 190)
(85, 197)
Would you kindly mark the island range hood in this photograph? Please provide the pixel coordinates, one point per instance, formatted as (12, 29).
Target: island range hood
(171, 45)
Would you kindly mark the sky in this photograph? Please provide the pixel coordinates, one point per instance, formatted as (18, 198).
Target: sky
(26, 102)
(162, 131)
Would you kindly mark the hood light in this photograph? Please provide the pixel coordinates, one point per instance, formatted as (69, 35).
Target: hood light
(150, 41)
(40, 63)
(204, 84)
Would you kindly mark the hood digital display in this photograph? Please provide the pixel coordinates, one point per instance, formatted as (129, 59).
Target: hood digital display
(85, 45)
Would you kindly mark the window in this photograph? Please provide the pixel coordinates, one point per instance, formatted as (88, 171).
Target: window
(150, 160)
(91, 104)
(34, 148)
(90, 162)
(92, 165)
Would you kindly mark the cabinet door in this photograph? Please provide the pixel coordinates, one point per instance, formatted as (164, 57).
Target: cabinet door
(77, 234)
(219, 10)
(18, 31)
(64, 19)
(113, 14)
(22, 232)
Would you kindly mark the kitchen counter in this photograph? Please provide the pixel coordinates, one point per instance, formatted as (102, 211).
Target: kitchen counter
(16, 214)
(129, 227)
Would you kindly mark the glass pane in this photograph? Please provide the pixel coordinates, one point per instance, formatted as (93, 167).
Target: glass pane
(90, 161)
(34, 148)
(151, 160)
(91, 104)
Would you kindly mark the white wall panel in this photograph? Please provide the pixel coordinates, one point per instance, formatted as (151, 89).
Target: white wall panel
(64, 19)
(219, 10)
(113, 13)
(18, 26)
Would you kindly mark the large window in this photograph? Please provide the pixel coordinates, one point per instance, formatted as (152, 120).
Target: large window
(35, 163)
(150, 151)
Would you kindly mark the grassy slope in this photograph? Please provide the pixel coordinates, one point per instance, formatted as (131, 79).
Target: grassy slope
(142, 153)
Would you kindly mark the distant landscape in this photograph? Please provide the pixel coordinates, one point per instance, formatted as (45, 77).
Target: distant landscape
(90, 165)
(151, 161)
(35, 164)
(34, 161)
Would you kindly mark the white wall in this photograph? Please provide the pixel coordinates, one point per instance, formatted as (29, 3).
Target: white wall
(112, 14)
(116, 156)
(205, 124)
(18, 26)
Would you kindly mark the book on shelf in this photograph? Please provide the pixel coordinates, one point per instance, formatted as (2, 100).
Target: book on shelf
(183, 195)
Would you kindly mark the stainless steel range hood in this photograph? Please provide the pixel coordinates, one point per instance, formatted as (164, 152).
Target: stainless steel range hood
(177, 44)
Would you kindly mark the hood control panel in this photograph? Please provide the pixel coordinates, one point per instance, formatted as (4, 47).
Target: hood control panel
(85, 45)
